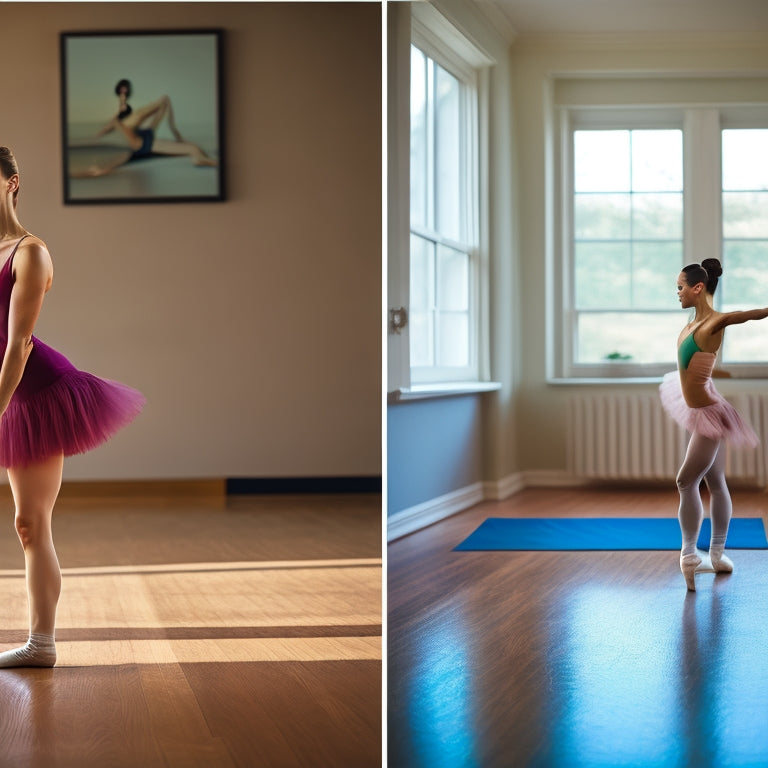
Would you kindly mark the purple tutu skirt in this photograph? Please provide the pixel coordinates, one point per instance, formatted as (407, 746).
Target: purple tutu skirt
(719, 421)
(59, 409)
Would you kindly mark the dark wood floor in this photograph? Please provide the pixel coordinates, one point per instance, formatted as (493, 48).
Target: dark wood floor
(574, 659)
(193, 633)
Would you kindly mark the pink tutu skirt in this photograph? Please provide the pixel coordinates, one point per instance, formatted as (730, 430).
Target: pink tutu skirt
(719, 421)
(58, 409)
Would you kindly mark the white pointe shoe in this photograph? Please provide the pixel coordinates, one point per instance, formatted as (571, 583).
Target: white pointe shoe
(688, 565)
(716, 563)
(705, 566)
(721, 563)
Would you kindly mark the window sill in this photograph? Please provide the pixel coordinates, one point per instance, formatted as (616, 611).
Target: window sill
(617, 381)
(605, 380)
(451, 389)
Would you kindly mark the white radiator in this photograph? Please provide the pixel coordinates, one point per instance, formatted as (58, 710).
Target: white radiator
(630, 437)
(751, 463)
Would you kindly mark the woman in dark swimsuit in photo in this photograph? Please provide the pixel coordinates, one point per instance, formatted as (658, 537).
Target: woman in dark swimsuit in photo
(139, 128)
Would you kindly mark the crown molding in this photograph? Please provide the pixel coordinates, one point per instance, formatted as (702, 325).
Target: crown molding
(641, 41)
(498, 19)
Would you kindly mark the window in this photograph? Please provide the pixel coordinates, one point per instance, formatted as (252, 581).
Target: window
(443, 242)
(627, 243)
(438, 114)
(745, 240)
(644, 191)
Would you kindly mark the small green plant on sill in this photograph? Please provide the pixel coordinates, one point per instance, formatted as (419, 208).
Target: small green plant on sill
(618, 356)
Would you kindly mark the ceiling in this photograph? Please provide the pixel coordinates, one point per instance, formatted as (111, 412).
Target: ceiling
(535, 17)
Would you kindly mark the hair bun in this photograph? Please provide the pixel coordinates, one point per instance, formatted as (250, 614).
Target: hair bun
(713, 267)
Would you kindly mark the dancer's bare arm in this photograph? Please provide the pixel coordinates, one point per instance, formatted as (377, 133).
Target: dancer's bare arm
(736, 318)
(33, 273)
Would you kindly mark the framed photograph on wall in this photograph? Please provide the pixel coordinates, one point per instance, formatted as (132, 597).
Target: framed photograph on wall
(142, 116)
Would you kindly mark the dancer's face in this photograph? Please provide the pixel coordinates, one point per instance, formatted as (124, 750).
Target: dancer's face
(687, 294)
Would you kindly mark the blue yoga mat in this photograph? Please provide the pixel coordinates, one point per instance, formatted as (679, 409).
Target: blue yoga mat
(600, 533)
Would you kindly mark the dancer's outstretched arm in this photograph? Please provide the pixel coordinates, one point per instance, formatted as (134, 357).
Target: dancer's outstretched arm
(736, 318)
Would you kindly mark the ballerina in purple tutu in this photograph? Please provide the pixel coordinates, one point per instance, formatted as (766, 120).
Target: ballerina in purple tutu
(49, 409)
(690, 398)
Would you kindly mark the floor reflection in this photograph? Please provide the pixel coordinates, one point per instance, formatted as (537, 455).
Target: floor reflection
(724, 693)
(658, 678)
(700, 635)
(439, 696)
(27, 696)
(613, 681)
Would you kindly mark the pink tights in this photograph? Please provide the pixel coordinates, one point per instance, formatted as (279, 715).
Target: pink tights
(705, 458)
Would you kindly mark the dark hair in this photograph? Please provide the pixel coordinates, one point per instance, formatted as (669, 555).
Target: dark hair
(8, 167)
(123, 84)
(707, 272)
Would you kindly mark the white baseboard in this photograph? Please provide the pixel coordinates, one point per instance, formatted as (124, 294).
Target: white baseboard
(496, 490)
(552, 478)
(421, 515)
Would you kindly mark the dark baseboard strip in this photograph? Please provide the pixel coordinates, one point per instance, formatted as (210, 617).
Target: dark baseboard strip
(256, 485)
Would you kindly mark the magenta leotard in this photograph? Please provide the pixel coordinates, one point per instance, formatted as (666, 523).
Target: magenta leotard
(57, 408)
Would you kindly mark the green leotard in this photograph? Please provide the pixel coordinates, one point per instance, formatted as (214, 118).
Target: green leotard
(687, 349)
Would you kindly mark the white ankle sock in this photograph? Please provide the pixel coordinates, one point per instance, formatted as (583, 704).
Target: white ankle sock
(40, 651)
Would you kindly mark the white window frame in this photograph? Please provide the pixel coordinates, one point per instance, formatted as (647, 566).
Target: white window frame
(748, 117)
(441, 41)
(701, 124)
(468, 173)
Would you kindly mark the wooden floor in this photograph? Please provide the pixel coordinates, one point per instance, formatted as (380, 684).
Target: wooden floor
(574, 659)
(199, 633)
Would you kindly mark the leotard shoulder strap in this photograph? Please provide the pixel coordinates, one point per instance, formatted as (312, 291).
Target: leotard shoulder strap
(15, 248)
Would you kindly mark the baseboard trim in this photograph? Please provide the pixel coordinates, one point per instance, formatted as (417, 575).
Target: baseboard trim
(125, 490)
(207, 489)
(496, 490)
(421, 515)
(300, 485)
(433, 511)
(552, 478)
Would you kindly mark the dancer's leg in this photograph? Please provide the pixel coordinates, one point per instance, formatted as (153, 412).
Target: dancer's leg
(164, 109)
(720, 511)
(698, 459)
(163, 147)
(35, 489)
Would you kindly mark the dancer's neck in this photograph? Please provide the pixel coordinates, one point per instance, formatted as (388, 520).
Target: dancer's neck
(10, 228)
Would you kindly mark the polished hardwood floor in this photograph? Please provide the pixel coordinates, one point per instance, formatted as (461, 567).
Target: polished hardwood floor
(196, 632)
(574, 659)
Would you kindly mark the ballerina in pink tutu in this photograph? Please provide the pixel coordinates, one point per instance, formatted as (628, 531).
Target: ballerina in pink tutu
(49, 409)
(690, 398)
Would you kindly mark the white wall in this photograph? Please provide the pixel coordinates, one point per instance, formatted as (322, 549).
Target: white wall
(542, 407)
(252, 326)
(439, 447)
(523, 427)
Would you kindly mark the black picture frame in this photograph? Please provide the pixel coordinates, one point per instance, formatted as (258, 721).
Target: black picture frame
(168, 146)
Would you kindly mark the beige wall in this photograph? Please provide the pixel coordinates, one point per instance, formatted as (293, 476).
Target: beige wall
(252, 326)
